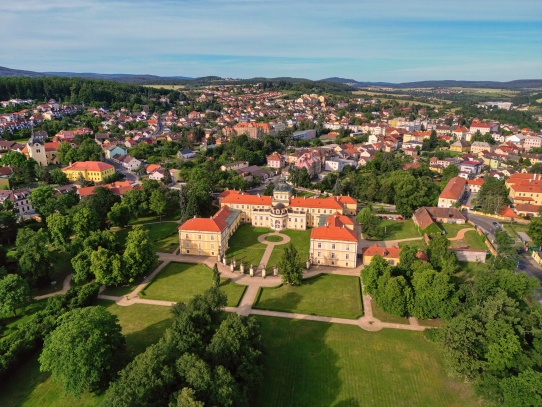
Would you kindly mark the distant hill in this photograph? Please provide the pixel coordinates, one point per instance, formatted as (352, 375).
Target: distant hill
(5, 72)
(127, 78)
(517, 84)
(172, 80)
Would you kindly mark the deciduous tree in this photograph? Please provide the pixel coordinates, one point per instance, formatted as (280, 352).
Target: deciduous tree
(291, 266)
(14, 293)
(82, 353)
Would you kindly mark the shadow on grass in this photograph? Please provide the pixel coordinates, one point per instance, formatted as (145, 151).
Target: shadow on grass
(285, 303)
(300, 368)
(137, 342)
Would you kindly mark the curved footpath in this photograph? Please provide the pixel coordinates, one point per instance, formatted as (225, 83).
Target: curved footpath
(367, 322)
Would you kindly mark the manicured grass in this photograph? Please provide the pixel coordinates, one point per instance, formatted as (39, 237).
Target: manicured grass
(453, 229)
(303, 194)
(180, 282)
(164, 235)
(385, 317)
(419, 244)
(472, 240)
(147, 219)
(244, 245)
(319, 364)
(300, 239)
(142, 325)
(399, 229)
(128, 288)
(233, 291)
(273, 238)
(326, 294)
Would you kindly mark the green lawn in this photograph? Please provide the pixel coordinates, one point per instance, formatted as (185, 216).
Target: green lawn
(300, 239)
(419, 244)
(326, 294)
(148, 219)
(8, 321)
(244, 245)
(304, 194)
(142, 325)
(399, 229)
(164, 235)
(452, 229)
(318, 364)
(385, 317)
(128, 288)
(180, 282)
(273, 238)
(472, 240)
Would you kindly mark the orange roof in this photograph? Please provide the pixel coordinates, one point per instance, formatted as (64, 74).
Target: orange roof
(97, 166)
(243, 198)
(338, 220)
(347, 200)
(389, 252)
(118, 188)
(325, 203)
(477, 181)
(527, 208)
(152, 167)
(215, 224)
(334, 233)
(52, 146)
(507, 212)
(454, 188)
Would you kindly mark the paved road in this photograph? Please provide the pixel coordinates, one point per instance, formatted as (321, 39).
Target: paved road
(128, 176)
(484, 222)
(529, 266)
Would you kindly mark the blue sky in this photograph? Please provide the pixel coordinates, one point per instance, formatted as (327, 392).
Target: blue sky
(384, 40)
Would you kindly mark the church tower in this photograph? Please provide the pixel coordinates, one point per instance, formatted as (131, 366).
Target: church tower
(36, 150)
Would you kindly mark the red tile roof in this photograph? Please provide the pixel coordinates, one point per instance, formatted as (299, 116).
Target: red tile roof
(334, 233)
(338, 220)
(244, 198)
(215, 224)
(97, 166)
(527, 208)
(386, 252)
(454, 188)
(324, 203)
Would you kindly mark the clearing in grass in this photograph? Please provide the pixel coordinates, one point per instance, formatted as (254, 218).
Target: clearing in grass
(164, 235)
(319, 364)
(180, 282)
(326, 294)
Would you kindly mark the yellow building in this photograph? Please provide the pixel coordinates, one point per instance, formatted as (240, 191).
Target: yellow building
(335, 244)
(95, 171)
(43, 153)
(209, 237)
(333, 241)
(390, 254)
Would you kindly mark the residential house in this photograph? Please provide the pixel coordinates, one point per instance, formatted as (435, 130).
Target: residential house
(128, 162)
(20, 198)
(390, 254)
(186, 154)
(112, 150)
(275, 160)
(452, 192)
(479, 146)
(461, 146)
(234, 166)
